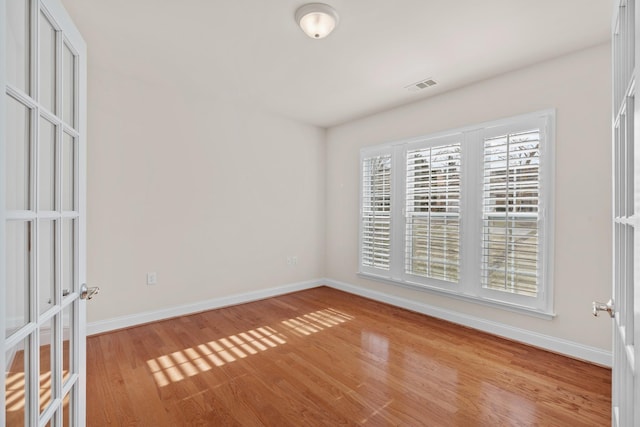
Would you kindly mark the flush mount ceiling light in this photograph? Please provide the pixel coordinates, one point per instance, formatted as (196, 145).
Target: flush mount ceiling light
(317, 20)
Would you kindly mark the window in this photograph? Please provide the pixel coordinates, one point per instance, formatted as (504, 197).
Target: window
(433, 212)
(464, 213)
(376, 212)
(510, 212)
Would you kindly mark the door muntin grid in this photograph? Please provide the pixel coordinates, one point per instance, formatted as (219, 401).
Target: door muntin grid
(42, 218)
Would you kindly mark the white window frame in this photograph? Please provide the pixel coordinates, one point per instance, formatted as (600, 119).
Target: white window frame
(469, 286)
(370, 270)
(429, 142)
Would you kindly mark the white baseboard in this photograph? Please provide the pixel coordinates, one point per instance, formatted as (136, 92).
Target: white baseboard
(167, 313)
(556, 345)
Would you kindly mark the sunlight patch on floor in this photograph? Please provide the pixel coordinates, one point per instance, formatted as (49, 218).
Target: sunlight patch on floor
(15, 390)
(311, 323)
(176, 366)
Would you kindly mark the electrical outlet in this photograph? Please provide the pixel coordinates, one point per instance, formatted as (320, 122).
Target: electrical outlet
(152, 278)
(294, 260)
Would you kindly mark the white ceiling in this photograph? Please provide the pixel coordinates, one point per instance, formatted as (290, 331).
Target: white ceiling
(252, 50)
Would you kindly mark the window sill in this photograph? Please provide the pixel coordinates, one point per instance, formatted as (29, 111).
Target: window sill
(502, 305)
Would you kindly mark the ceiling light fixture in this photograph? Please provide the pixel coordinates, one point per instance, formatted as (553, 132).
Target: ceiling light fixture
(317, 20)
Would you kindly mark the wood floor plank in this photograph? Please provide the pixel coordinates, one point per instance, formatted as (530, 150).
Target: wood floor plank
(322, 357)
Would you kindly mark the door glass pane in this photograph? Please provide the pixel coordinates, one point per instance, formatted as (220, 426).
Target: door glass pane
(47, 64)
(68, 97)
(68, 172)
(17, 155)
(16, 369)
(46, 355)
(67, 256)
(67, 415)
(46, 264)
(47, 165)
(18, 44)
(18, 274)
(67, 340)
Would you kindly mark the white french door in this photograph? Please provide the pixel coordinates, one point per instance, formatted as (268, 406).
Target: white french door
(43, 151)
(625, 307)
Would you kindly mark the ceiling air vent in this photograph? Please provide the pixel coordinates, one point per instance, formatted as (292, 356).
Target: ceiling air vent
(422, 84)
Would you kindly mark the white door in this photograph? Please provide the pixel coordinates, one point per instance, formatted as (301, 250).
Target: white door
(625, 307)
(43, 151)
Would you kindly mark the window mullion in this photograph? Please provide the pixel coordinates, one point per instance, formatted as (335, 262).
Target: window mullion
(471, 214)
(430, 207)
(398, 219)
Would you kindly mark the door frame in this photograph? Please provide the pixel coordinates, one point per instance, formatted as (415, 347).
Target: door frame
(3, 83)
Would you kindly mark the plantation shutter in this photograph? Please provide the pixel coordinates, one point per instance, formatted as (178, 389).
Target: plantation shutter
(511, 200)
(433, 212)
(376, 212)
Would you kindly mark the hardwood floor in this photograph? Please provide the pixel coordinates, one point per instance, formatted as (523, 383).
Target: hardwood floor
(325, 358)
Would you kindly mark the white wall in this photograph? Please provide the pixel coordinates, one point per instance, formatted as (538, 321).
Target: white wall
(578, 86)
(211, 195)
